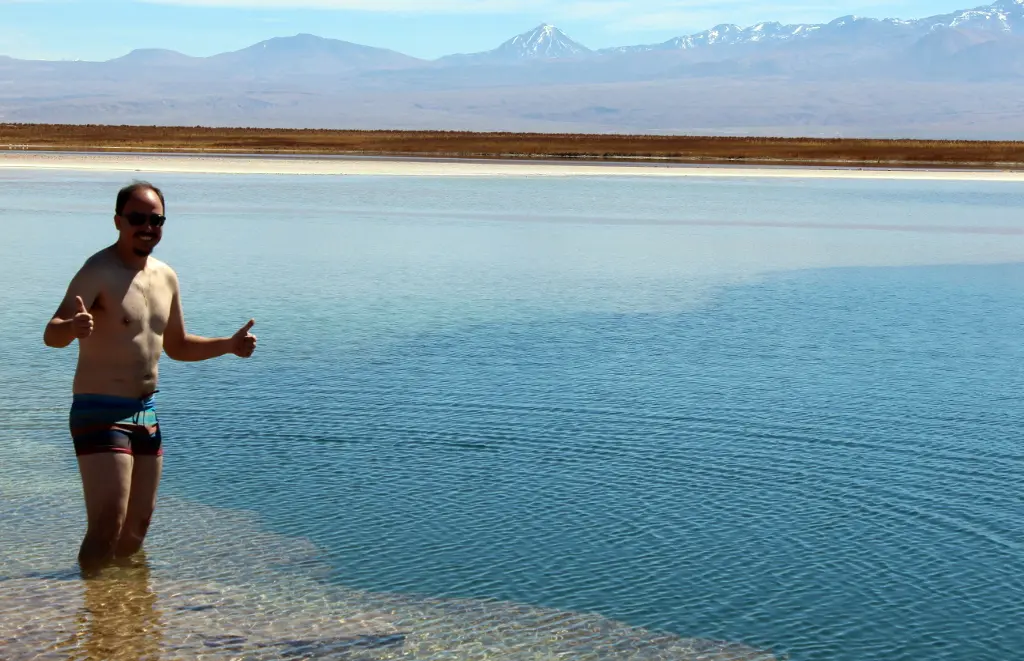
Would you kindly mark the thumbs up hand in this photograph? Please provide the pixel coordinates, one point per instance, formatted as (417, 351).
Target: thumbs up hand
(82, 322)
(242, 342)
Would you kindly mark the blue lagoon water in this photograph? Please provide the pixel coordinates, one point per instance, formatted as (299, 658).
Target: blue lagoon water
(528, 417)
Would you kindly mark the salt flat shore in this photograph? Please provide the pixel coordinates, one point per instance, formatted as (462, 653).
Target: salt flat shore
(426, 167)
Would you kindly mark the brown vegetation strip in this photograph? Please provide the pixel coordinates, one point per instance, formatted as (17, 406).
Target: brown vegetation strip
(453, 144)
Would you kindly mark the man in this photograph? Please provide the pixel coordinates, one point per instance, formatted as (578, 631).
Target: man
(124, 308)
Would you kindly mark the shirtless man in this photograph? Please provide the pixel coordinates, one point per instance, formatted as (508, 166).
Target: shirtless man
(124, 307)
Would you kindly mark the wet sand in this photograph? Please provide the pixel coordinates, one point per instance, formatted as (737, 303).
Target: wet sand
(127, 616)
(385, 166)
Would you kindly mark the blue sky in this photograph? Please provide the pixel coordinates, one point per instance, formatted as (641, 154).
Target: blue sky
(102, 29)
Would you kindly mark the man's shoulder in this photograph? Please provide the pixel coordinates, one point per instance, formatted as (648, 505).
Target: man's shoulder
(161, 267)
(98, 262)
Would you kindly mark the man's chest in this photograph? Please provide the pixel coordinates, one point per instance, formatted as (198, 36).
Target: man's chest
(138, 303)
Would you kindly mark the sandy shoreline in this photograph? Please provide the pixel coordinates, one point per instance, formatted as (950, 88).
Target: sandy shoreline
(354, 166)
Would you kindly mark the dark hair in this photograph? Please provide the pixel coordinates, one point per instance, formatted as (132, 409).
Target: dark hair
(128, 191)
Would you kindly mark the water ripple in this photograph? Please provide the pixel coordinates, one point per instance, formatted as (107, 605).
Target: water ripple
(470, 439)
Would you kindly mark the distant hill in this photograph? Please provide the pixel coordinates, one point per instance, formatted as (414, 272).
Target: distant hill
(308, 54)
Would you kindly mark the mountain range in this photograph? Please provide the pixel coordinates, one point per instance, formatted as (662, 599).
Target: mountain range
(1002, 17)
(950, 75)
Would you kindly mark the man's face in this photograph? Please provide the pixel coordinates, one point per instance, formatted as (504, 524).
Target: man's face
(135, 222)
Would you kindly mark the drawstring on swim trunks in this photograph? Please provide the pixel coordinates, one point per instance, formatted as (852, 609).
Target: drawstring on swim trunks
(137, 416)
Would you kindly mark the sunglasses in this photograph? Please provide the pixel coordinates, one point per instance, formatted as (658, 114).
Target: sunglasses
(136, 218)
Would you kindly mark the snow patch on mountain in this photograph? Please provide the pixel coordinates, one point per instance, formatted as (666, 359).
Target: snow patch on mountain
(1002, 16)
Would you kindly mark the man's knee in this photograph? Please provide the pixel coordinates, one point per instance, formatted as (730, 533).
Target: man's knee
(106, 526)
(100, 540)
(133, 534)
(137, 527)
(141, 525)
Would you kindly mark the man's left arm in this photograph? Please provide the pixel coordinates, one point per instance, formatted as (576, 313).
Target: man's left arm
(181, 346)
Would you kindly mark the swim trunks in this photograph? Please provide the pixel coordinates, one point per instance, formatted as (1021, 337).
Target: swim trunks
(102, 423)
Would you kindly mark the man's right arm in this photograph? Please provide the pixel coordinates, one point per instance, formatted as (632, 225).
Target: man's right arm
(82, 293)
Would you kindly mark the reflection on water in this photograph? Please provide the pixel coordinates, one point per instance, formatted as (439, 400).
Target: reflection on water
(119, 617)
(126, 616)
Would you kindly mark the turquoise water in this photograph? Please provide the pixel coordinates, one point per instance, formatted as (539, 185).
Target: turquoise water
(783, 414)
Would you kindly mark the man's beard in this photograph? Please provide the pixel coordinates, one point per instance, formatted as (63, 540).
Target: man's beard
(146, 248)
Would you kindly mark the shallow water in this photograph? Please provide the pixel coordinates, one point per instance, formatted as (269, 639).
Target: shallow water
(521, 418)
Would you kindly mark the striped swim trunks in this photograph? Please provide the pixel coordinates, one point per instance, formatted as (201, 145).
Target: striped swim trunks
(102, 423)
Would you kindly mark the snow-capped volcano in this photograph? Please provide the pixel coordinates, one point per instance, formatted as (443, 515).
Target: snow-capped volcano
(545, 42)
